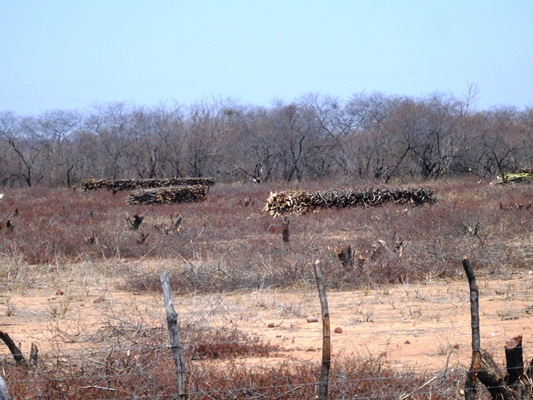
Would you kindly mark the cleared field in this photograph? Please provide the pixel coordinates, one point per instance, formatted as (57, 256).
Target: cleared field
(80, 284)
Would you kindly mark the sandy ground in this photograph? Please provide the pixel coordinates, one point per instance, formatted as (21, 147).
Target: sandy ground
(425, 327)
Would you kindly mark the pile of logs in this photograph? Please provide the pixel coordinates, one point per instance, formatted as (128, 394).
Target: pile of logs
(117, 185)
(168, 195)
(523, 175)
(513, 178)
(300, 202)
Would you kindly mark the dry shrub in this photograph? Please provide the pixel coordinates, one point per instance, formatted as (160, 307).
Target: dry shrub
(227, 344)
(210, 279)
(349, 378)
(148, 372)
(134, 361)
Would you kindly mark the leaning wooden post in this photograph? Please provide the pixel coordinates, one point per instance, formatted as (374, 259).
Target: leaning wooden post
(172, 322)
(15, 351)
(471, 376)
(326, 336)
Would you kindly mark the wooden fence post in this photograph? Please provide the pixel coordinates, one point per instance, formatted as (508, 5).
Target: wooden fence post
(172, 322)
(326, 336)
(471, 376)
(483, 366)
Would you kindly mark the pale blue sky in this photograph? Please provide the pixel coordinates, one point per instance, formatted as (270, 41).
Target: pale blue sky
(74, 54)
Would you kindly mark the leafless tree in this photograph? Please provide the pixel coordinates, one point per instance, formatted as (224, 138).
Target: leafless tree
(503, 141)
(27, 158)
(112, 126)
(369, 141)
(369, 136)
(58, 129)
(203, 133)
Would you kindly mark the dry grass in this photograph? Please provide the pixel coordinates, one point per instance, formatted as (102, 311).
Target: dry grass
(149, 374)
(130, 362)
(227, 242)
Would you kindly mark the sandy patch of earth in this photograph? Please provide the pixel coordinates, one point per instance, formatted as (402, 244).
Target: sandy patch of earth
(423, 326)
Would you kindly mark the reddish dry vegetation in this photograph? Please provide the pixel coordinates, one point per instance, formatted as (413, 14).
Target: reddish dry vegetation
(228, 243)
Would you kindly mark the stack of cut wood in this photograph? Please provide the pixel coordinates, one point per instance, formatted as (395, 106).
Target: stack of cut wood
(131, 184)
(523, 175)
(300, 202)
(168, 195)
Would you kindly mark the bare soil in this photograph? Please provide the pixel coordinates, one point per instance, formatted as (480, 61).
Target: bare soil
(425, 327)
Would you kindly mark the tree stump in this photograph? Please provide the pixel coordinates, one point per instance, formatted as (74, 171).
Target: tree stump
(285, 231)
(345, 255)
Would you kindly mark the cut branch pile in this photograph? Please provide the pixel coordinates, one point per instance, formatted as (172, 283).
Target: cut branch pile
(300, 202)
(117, 185)
(523, 175)
(173, 194)
(514, 178)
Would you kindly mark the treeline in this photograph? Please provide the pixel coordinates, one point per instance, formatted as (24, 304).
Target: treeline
(368, 136)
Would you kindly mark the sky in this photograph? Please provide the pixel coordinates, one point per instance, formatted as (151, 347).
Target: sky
(75, 54)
